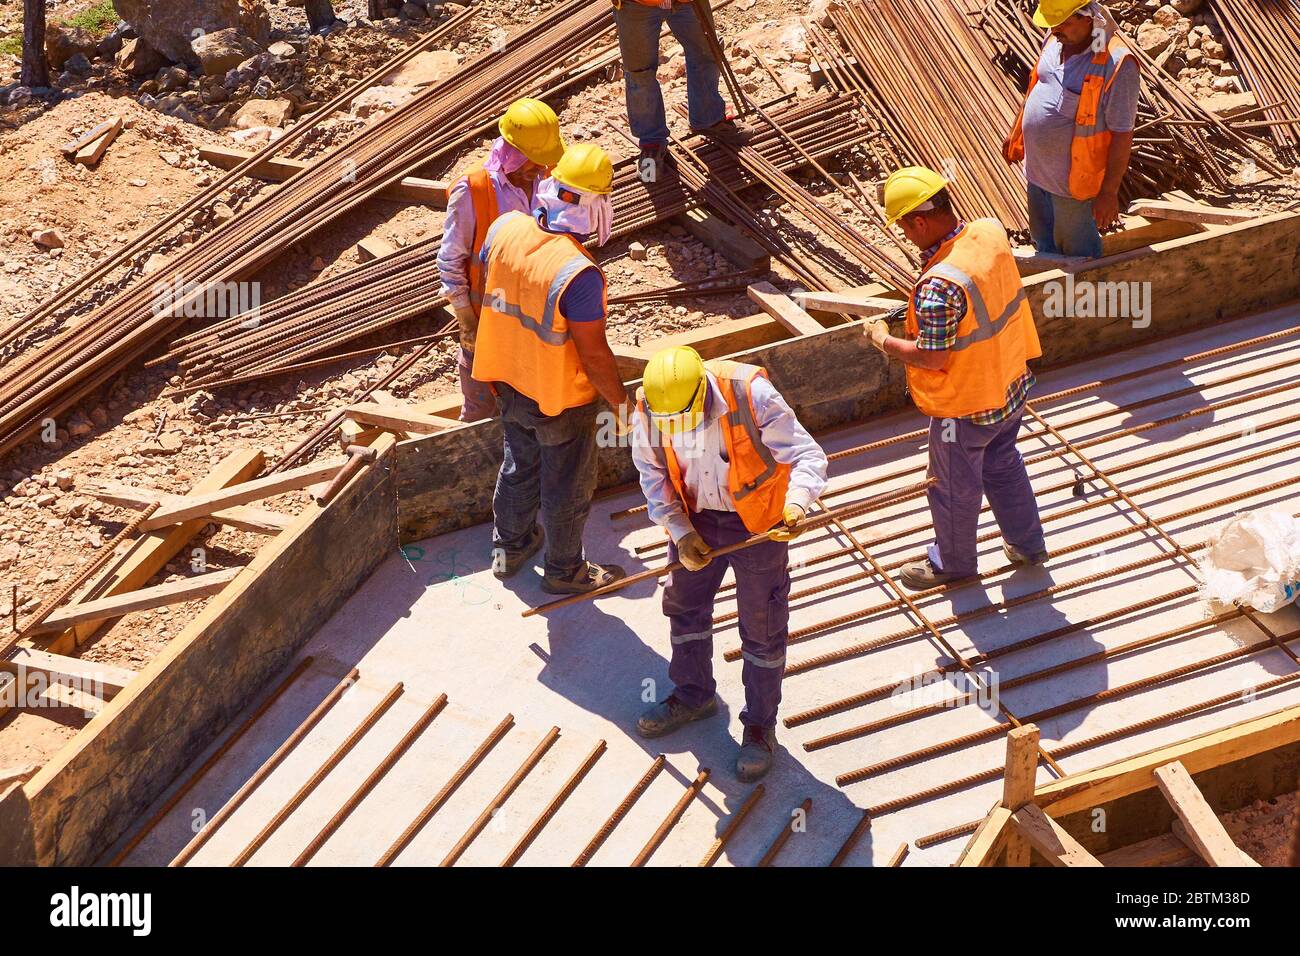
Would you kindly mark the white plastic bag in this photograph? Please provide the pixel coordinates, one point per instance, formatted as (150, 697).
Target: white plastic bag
(1254, 560)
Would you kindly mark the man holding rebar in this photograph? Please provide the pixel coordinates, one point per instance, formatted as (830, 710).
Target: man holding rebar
(640, 23)
(506, 181)
(1075, 130)
(722, 457)
(541, 348)
(970, 334)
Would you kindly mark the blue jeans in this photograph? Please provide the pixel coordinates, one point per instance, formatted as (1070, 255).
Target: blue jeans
(763, 601)
(549, 464)
(973, 462)
(1063, 225)
(639, 27)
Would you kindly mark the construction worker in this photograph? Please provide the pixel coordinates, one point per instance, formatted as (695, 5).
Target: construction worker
(640, 23)
(721, 457)
(1075, 129)
(506, 181)
(969, 336)
(541, 345)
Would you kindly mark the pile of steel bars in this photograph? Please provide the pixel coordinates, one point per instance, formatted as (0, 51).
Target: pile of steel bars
(321, 317)
(1265, 43)
(46, 380)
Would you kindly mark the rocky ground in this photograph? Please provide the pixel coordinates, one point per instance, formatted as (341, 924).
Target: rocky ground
(57, 219)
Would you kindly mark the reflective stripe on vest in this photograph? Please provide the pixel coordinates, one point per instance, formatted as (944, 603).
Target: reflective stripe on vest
(985, 328)
(544, 327)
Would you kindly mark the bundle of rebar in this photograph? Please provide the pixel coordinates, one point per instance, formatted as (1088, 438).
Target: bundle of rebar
(323, 316)
(1265, 42)
(78, 359)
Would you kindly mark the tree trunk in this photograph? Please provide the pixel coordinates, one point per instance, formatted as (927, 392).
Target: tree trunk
(36, 71)
(320, 13)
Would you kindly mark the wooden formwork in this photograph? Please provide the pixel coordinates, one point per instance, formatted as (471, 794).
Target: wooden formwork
(84, 799)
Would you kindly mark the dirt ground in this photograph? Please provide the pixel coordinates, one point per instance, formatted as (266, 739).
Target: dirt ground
(129, 432)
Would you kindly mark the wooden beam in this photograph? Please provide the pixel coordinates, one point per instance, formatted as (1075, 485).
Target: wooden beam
(1190, 212)
(631, 360)
(1046, 836)
(148, 554)
(69, 670)
(1200, 826)
(278, 168)
(174, 592)
(204, 505)
(1018, 785)
(784, 309)
(402, 418)
(725, 239)
(93, 152)
(847, 303)
(986, 843)
(74, 146)
(243, 517)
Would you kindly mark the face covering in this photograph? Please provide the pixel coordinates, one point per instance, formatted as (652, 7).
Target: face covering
(504, 158)
(592, 215)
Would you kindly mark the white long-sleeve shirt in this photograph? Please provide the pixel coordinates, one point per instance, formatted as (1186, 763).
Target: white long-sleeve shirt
(458, 232)
(701, 453)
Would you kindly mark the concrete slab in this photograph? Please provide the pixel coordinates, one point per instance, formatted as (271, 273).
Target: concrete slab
(433, 618)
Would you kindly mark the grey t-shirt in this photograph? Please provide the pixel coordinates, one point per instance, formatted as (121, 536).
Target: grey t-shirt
(1050, 109)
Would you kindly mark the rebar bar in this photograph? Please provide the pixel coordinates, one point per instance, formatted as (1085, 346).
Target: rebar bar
(535, 829)
(620, 812)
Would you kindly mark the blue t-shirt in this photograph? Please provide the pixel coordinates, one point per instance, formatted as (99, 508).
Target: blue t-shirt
(584, 299)
(1049, 114)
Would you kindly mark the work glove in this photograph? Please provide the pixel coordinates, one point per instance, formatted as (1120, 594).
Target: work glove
(468, 323)
(789, 528)
(877, 330)
(623, 419)
(692, 552)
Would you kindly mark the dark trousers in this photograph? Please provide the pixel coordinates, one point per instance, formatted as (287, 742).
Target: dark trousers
(763, 601)
(549, 464)
(973, 462)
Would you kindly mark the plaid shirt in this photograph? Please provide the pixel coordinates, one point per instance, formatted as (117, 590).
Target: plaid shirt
(940, 307)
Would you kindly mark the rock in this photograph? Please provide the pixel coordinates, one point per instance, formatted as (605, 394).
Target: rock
(63, 479)
(1153, 39)
(424, 69)
(317, 265)
(379, 99)
(172, 78)
(48, 238)
(154, 263)
(62, 43)
(1224, 84)
(79, 65)
(222, 213)
(1166, 17)
(9, 555)
(222, 50)
(170, 157)
(1186, 7)
(282, 49)
(171, 25)
(263, 113)
(254, 137)
(1214, 50)
(636, 251)
(111, 45)
(413, 11)
(1229, 106)
(138, 58)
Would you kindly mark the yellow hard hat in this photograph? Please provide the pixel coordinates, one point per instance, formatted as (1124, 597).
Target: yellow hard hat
(907, 188)
(675, 386)
(532, 127)
(586, 168)
(1052, 13)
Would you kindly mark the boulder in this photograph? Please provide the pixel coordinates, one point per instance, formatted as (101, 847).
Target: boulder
(379, 99)
(62, 43)
(1166, 16)
(111, 45)
(1153, 39)
(171, 25)
(222, 50)
(263, 113)
(139, 58)
(424, 69)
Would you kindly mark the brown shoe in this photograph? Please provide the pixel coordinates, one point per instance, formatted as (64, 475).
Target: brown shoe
(506, 564)
(756, 751)
(588, 577)
(922, 575)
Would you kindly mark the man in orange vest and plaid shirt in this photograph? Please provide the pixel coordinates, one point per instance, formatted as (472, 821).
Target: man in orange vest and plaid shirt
(970, 334)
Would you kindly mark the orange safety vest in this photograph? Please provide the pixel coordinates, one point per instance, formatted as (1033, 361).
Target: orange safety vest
(756, 480)
(483, 197)
(523, 336)
(1090, 146)
(995, 338)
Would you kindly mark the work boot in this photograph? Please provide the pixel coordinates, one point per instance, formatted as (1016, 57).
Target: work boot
(588, 577)
(505, 564)
(922, 575)
(670, 713)
(756, 750)
(1016, 556)
(650, 164)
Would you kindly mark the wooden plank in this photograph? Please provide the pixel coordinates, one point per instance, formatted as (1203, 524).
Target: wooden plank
(92, 152)
(402, 418)
(243, 517)
(986, 843)
(1139, 231)
(204, 505)
(631, 360)
(1018, 785)
(725, 239)
(444, 406)
(73, 146)
(173, 592)
(1163, 850)
(69, 670)
(1047, 837)
(1190, 212)
(278, 168)
(847, 303)
(784, 309)
(1200, 824)
(149, 553)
